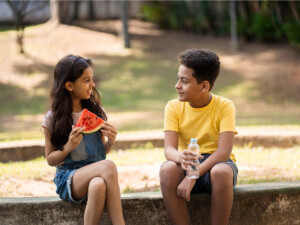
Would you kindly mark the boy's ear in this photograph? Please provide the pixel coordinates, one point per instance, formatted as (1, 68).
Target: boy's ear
(69, 85)
(205, 86)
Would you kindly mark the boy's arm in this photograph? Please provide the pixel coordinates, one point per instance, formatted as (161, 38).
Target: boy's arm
(171, 150)
(225, 145)
(183, 158)
(171, 146)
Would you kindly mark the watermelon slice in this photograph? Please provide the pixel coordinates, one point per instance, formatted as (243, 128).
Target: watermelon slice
(90, 121)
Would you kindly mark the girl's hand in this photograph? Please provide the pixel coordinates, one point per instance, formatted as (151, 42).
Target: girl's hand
(75, 138)
(110, 132)
(187, 158)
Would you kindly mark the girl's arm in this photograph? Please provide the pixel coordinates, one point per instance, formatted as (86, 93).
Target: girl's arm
(55, 157)
(110, 132)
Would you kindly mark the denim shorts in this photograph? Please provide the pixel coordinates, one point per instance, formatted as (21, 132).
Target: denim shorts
(63, 181)
(203, 183)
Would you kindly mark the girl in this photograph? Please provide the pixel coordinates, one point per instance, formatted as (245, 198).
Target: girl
(83, 174)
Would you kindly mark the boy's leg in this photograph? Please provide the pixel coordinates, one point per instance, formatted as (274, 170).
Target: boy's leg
(221, 176)
(171, 174)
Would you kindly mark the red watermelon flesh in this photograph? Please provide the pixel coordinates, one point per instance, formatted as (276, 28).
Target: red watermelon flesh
(90, 121)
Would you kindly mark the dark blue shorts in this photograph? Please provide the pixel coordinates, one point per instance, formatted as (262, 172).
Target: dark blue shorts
(203, 183)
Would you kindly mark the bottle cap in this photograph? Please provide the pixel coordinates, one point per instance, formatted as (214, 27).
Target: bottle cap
(194, 140)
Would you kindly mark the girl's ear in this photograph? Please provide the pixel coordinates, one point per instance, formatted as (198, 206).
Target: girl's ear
(69, 85)
(206, 86)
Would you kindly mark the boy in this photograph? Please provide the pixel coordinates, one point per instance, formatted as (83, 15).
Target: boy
(197, 113)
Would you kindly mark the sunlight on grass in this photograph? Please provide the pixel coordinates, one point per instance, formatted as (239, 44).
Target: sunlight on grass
(255, 164)
(23, 135)
(258, 165)
(36, 169)
(137, 156)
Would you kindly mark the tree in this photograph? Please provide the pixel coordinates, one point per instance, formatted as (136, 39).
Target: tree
(124, 17)
(233, 27)
(54, 12)
(21, 10)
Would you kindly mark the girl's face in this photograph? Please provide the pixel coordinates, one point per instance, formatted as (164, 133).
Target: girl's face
(83, 86)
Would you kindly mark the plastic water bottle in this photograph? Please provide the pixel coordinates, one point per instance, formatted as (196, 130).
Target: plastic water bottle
(193, 170)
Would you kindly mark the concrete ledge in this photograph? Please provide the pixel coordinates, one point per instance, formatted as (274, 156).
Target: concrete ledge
(269, 203)
(26, 150)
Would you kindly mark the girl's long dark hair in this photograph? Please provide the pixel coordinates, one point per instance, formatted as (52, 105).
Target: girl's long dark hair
(69, 68)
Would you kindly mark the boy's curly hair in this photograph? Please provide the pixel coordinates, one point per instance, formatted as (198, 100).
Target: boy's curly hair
(205, 63)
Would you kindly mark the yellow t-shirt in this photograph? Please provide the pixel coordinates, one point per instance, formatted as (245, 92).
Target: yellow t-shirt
(205, 123)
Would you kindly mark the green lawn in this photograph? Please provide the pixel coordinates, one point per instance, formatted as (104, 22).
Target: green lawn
(142, 79)
(256, 165)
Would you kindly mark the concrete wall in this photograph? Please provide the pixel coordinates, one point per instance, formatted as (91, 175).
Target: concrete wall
(270, 204)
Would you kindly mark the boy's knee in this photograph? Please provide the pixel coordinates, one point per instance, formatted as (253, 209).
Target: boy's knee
(170, 175)
(97, 188)
(167, 168)
(221, 172)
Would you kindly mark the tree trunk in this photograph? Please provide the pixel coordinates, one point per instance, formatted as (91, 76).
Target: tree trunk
(233, 28)
(91, 10)
(76, 8)
(124, 17)
(54, 18)
(294, 11)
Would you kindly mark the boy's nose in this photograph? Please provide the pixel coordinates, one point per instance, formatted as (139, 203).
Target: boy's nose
(177, 86)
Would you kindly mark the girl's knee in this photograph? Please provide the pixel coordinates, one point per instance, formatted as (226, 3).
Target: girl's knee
(111, 171)
(97, 188)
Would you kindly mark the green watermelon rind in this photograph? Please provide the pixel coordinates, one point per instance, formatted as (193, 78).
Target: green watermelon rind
(78, 124)
(94, 130)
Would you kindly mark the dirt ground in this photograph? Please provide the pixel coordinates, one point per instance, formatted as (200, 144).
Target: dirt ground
(137, 178)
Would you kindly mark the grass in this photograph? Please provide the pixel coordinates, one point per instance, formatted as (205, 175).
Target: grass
(35, 169)
(142, 79)
(255, 164)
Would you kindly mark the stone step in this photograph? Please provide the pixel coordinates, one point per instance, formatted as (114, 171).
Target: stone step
(265, 203)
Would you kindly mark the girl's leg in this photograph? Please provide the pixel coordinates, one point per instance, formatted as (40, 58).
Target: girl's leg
(105, 169)
(96, 200)
(171, 175)
(221, 176)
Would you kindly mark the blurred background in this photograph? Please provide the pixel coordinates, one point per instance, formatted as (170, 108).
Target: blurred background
(134, 47)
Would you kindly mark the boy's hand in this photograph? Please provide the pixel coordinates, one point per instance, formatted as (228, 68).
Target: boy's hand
(185, 187)
(187, 158)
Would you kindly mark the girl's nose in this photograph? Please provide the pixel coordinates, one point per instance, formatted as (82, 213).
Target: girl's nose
(93, 84)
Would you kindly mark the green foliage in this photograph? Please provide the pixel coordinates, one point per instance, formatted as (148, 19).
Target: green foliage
(181, 15)
(292, 32)
(261, 24)
(262, 28)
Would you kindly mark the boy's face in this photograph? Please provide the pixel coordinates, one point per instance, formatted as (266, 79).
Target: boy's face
(187, 87)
